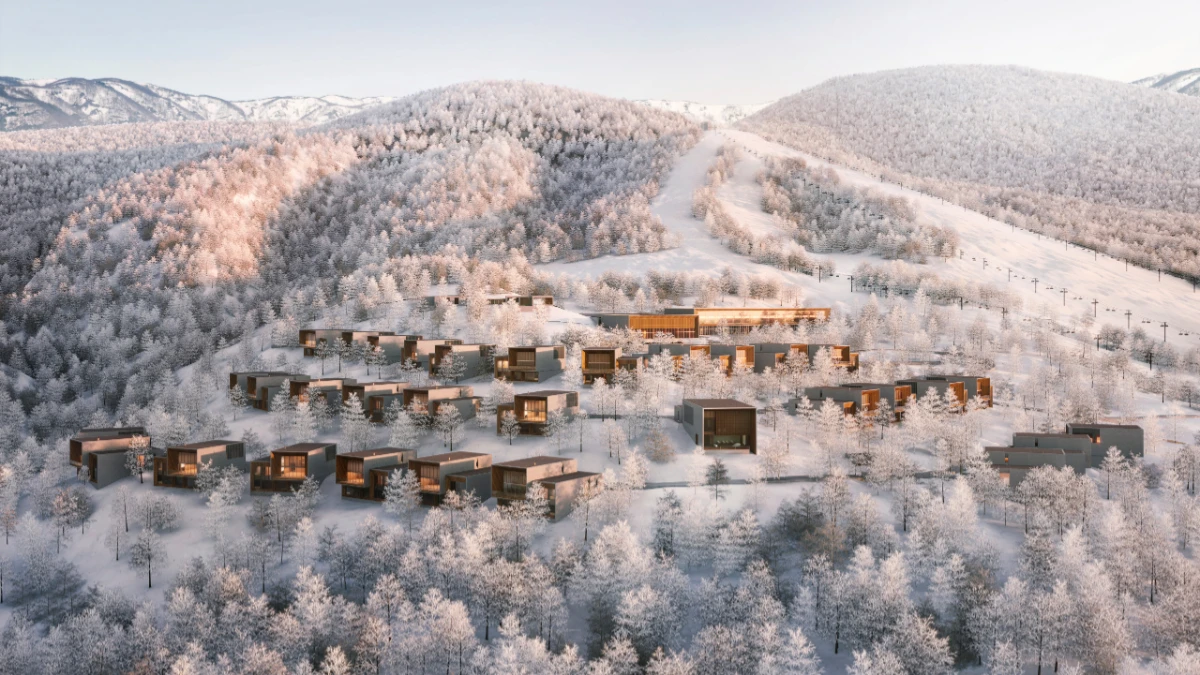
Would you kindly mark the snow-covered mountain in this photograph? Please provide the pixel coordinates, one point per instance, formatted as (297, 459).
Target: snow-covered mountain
(1183, 82)
(716, 114)
(44, 104)
(1092, 161)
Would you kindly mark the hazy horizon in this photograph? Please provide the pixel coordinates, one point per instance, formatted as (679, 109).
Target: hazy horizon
(706, 52)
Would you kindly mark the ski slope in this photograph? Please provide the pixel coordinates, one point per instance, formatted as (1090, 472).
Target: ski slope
(1056, 266)
(1084, 275)
(700, 252)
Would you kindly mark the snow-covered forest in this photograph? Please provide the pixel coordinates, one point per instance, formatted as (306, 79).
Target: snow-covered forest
(148, 262)
(930, 563)
(129, 263)
(1098, 163)
(828, 216)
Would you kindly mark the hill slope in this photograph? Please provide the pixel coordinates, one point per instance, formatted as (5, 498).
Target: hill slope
(432, 186)
(1183, 82)
(1100, 163)
(28, 104)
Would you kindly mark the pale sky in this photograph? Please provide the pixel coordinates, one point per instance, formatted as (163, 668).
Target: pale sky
(712, 52)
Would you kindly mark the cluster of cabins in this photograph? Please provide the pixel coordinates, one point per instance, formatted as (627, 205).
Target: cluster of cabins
(1083, 446)
(713, 424)
(375, 397)
(604, 362)
(727, 424)
(362, 475)
(865, 397)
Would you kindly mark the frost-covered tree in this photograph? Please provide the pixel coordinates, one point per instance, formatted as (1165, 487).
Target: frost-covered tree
(356, 428)
(148, 552)
(138, 456)
(450, 425)
(402, 495)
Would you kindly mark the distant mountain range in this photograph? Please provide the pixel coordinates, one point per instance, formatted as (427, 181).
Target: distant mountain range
(74, 101)
(717, 114)
(1184, 82)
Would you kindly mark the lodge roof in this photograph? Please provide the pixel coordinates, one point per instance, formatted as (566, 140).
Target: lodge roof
(718, 403)
(305, 448)
(530, 462)
(567, 477)
(376, 452)
(449, 457)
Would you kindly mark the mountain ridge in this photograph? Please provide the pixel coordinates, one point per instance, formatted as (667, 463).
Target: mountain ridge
(1182, 82)
(77, 101)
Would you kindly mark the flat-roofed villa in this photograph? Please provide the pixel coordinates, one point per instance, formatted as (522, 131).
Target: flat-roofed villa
(181, 464)
(603, 362)
(436, 471)
(841, 355)
(467, 406)
(391, 345)
(730, 356)
(975, 387)
(1080, 451)
(472, 356)
(364, 474)
(896, 395)
(1014, 464)
(289, 466)
(260, 386)
(720, 424)
(303, 387)
(101, 451)
(925, 386)
(511, 479)
(420, 350)
(775, 354)
(679, 351)
(311, 338)
(362, 336)
(531, 364)
(562, 491)
(533, 409)
(1129, 439)
(374, 396)
(852, 400)
(420, 398)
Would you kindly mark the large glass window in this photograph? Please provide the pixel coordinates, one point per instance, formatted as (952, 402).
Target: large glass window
(599, 360)
(430, 480)
(293, 466)
(534, 410)
(514, 482)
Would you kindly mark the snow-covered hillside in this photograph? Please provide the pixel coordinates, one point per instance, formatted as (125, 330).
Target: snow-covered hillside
(419, 188)
(41, 104)
(989, 250)
(715, 114)
(1183, 82)
(1091, 161)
